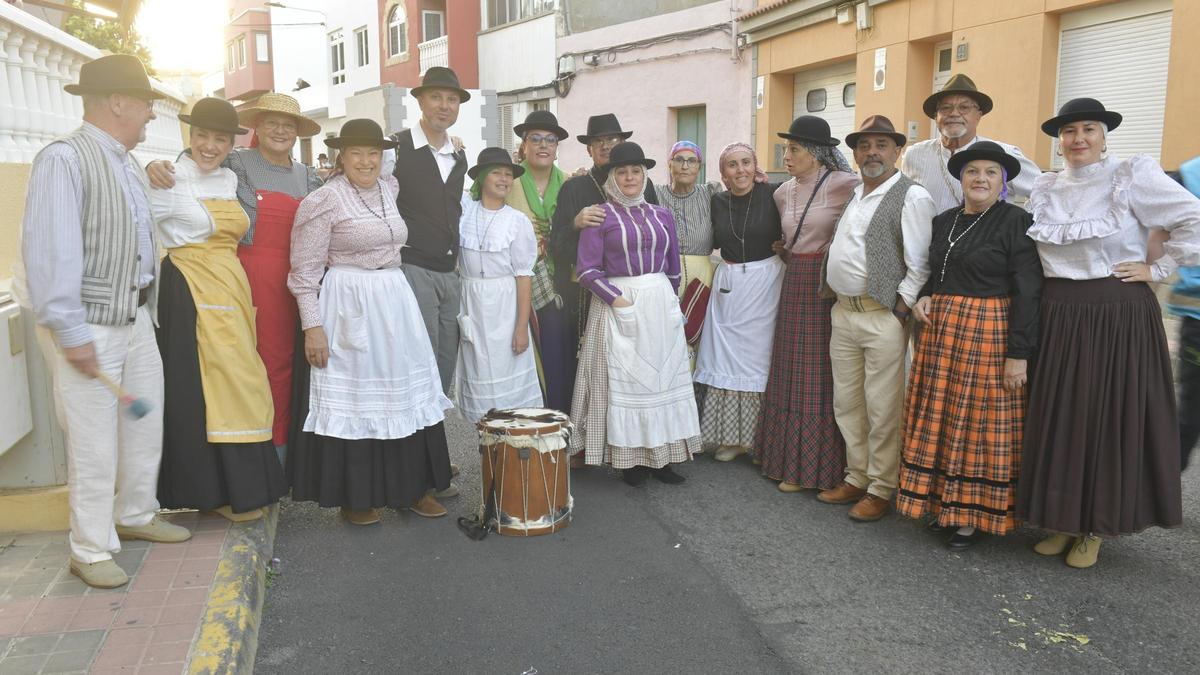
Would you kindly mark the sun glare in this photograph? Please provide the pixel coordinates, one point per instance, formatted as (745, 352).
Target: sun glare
(183, 34)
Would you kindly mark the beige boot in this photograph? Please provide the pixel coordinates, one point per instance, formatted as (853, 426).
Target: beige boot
(103, 574)
(157, 530)
(1055, 544)
(228, 513)
(1084, 553)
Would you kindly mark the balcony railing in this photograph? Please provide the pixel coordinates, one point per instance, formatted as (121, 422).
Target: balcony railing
(36, 61)
(435, 52)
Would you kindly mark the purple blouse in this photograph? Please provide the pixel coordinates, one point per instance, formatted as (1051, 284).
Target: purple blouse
(631, 242)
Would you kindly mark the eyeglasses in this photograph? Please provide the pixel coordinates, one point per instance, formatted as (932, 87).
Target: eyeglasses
(537, 139)
(607, 141)
(961, 108)
(685, 162)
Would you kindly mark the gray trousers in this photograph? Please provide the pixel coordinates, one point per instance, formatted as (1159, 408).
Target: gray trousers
(438, 295)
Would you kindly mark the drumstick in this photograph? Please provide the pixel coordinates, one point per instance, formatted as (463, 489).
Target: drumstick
(137, 408)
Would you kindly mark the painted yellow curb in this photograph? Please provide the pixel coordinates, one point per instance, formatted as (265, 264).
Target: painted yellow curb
(34, 509)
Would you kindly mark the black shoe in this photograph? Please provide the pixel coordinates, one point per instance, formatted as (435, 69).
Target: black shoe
(634, 476)
(961, 542)
(667, 475)
(937, 528)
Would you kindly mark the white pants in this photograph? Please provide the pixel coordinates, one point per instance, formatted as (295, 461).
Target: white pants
(112, 459)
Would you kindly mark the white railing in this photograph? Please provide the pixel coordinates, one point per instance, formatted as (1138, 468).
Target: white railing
(435, 52)
(36, 61)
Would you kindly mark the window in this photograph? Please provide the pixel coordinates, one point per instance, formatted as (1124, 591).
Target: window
(241, 51)
(944, 63)
(500, 12)
(539, 104)
(849, 92)
(262, 48)
(814, 100)
(508, 140)
(433, 25)
(230, 57)
(362, 43)
(337, 57)
(397, 31)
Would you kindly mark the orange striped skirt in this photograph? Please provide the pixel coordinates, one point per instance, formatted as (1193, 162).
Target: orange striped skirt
(962, 430)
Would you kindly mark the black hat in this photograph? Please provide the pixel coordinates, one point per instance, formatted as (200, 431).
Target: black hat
(360, 132)
(1079, 109)
(603, 125)
(214, 114)
(489, 157)
(114, 74)
(541, 119)
(983, 150)
(960, 85)
(810, 129)
(626, 154)
(876, 124)
(439, 77)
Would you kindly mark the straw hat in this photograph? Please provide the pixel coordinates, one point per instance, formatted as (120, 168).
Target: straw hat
(280, 104)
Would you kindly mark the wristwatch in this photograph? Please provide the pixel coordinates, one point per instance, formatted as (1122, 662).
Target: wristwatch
(903, 316)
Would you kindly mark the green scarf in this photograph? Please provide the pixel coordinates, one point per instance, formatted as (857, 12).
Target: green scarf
(542, 207)
(477, 186)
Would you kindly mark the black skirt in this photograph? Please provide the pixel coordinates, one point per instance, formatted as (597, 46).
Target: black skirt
(365, 473)
(1101, 451)
(196, 473)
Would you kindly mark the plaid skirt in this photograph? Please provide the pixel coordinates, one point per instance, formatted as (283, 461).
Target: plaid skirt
(589, 407)
(798, 440)
(962, 429)
(730, 417)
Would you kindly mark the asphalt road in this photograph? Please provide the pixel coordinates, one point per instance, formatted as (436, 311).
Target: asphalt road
(723, 574)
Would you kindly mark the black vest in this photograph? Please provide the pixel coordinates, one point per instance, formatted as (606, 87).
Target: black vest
(431, 208)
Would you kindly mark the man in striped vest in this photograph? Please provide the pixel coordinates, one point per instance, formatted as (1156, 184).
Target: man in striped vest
(88, 269)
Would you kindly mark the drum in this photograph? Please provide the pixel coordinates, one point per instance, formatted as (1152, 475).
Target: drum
(526, 471)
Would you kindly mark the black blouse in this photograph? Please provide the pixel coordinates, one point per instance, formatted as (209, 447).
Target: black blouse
(731, 227)
(993, 258)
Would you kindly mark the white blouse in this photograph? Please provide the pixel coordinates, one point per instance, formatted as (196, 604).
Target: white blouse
(1087, 220)
(495, 243)
(178, 213)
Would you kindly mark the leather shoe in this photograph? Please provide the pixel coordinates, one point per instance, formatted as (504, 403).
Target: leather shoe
(667, 475)
(728, 453)
(634, 476)
(232, 516)
(428, 507)
(1055, 544)
(1084, 553)
(937, 528)
(157, 530)
(364, 517)
(842, 494)
(785, 486)
(102, 574)
(870, 508)
(961, 542)
(449, 492)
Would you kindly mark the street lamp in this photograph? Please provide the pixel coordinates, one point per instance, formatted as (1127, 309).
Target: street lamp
(280, 5)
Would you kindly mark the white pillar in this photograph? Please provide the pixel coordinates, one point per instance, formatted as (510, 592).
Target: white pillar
(16, 88)
(9, 151)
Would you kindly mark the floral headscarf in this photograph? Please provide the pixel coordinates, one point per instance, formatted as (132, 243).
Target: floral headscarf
(760, 176)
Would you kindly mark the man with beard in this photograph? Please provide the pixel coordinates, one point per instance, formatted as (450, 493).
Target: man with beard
(957, 110)
(875, 266)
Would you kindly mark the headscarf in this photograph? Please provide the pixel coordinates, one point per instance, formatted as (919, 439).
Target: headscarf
(686, 145)
(615, 194)
(760, 176)
(827, 156)
(477, 186)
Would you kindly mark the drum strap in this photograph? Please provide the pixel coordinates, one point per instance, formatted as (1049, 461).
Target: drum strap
(476, 527)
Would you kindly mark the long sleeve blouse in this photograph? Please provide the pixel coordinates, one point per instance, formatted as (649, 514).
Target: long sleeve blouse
(631, 242)
(178, 212)
(995, 257)
(817, 231)
(693, 217)
(746, 237)
(1088, 219)
(340, 224)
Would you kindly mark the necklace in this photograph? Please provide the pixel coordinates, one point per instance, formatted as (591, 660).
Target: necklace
(954, 240)
(742, 237)
(382, 215)
(486, 228)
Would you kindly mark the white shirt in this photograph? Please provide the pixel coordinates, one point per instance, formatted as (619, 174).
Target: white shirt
(925, 162)
(1086, 220)
(444, 155)
(180, 216)
(495, 243)
(846, 270)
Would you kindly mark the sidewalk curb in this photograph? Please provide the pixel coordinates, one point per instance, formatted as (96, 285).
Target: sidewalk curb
(228, 637)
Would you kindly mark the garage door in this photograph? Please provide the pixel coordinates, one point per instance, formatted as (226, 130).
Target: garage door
(1122, 61)
(828, 93)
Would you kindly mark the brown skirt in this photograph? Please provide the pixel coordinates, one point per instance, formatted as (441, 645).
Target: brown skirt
(1101, 451)
(962, 428)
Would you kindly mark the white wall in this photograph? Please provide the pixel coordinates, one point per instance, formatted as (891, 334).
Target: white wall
(301, 52)
(518, 55)
(350, 16)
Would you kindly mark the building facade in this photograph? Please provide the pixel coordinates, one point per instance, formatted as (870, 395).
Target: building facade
(518, 59)
(845, 61)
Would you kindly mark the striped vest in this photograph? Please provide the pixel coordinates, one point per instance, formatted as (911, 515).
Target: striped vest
(110, 243)
(885, 247)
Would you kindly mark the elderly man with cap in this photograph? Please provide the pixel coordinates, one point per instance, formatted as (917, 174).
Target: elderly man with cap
(579, 206)
(89, 273)
(957, 110)
(875, 266)
(270, 185)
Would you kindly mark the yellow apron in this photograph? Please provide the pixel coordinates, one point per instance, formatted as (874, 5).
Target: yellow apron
(237, 396)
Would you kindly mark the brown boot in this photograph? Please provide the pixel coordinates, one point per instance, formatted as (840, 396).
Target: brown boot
(364, 517)
(428, 507)
(842, 494)
(870, 508)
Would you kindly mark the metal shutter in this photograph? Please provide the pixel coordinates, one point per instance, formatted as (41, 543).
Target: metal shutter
(833, 79)
(1123, 64)
(508, 141)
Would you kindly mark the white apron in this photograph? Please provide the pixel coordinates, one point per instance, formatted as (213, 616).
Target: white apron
(382, 379)
(488, 374)
(735, 346)
(650, 397)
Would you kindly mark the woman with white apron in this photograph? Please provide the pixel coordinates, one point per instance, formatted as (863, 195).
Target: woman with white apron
(496, 368)
(372, 434)
(735, 346)
(634, 406)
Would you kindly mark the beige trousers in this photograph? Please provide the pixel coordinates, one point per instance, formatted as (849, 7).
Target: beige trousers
(867, 349)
